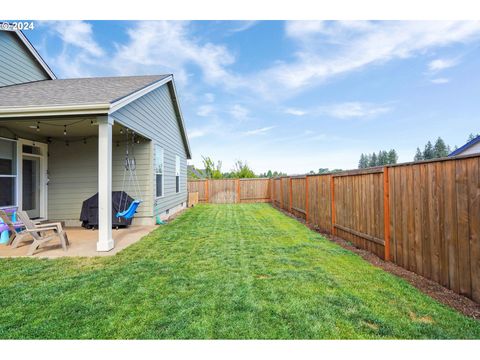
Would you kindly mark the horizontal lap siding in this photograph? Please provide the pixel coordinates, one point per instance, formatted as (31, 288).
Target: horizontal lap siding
(16, 63)
(153, 115)
(73, 177)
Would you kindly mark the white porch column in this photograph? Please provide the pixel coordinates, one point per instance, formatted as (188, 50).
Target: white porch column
(105, 240)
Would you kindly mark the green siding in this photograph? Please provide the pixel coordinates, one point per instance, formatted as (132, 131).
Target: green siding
(17, 64)
(153, 115)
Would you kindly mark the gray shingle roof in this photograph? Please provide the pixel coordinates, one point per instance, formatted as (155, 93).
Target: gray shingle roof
(100, 90)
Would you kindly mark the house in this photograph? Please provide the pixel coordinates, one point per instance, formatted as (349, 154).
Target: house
(64, 140)
(471, 147)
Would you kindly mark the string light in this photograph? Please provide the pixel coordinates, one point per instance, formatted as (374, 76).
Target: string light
(67, 143)
(85, 141)
(64, 129)
(121, 131)
(38, 125)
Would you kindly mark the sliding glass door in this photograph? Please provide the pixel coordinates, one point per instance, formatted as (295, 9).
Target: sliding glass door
(8, 173)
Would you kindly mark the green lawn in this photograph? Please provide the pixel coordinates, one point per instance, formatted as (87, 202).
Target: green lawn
(220, 271)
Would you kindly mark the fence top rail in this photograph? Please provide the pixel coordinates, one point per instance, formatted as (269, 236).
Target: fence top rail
(367, 171)
(250, 179)
(458, 157)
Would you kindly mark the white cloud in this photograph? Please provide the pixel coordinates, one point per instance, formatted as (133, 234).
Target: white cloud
(357, 44)
(169, 46)
(196, 133)
(205, 110)
(296, 112)
(239, 112)
(348, 110)
(242, 25)
(259, 131)
(440, 64)
(79, 34)
(440, 81)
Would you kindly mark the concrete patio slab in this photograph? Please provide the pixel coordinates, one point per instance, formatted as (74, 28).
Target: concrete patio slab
(82, 243)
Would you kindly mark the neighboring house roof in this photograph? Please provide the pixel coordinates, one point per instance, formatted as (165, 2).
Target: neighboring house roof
(199, 173)
(465, 147)
(32, 50)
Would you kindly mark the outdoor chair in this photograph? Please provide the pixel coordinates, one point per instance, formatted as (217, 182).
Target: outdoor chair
(41, 233)
(14, 228)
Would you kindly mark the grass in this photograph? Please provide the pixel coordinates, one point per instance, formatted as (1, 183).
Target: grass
(220, 271)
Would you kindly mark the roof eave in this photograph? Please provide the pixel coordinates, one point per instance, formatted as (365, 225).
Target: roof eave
(38, 111)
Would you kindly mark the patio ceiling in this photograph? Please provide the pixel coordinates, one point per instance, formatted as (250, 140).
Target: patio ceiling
(76, 127)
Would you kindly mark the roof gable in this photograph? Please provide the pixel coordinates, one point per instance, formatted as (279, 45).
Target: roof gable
(19, 61)
(465, 147)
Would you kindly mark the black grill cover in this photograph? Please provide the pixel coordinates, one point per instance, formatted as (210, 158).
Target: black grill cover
(89, 214)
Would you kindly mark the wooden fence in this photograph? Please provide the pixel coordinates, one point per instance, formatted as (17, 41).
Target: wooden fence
(424, 217)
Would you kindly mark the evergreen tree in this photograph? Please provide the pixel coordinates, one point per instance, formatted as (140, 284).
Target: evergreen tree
(373, 160)
(269, 174)
(363, 163)
(428, 152)
(382, 157)
(440, 149)
(392, 156)
(418, 155)
(472, 136)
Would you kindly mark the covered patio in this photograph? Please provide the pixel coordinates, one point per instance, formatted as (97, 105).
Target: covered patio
(82, 243)
(60, 155)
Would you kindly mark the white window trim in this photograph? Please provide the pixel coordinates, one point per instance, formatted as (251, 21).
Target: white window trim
(162, 173)
(178, 170)
(16, 186)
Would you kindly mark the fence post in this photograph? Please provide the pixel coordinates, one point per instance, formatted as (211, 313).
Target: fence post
(332, 196)
(272, 190)
(206, 191)
(386, 212)
(306, 199)
(238, 190)
(290, 194)
(281, 193)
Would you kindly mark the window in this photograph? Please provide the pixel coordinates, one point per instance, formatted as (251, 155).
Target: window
(8, 172)
(177, 173)
(159, 170)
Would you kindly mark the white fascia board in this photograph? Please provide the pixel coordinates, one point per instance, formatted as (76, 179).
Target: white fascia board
(33, 51)
(138, 94)
(33, 111)
(177, 105)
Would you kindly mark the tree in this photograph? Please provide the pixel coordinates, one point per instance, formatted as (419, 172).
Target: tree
(269, 174)
(440, 149)
(373, 160)
(212, 171)
(472, 136)
(392, 156)
(323, 171)
(428, 152)
(363, 163)
(242, 171)
(418, 155)
(382, 158)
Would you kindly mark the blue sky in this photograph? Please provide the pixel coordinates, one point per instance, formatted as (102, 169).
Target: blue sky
(291, 96)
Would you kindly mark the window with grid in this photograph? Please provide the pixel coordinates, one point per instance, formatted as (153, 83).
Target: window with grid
(159, 168)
